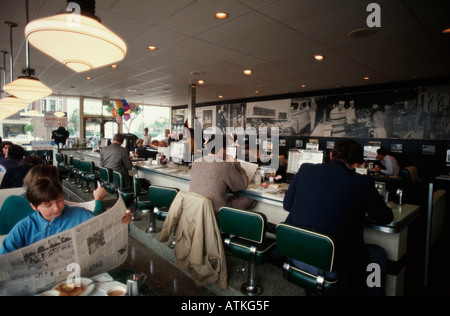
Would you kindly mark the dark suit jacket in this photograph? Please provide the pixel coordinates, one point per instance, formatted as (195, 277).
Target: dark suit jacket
(117, 158)
(332, 199)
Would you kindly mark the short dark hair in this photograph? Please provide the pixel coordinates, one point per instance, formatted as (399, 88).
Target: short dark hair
(119, 138)
(16, 152)
(349, 151)
(382, 151)
(44, 190)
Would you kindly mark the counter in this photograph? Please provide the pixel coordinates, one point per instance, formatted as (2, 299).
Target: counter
(392, 237)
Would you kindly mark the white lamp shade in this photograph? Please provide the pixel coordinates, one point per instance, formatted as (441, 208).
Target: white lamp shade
(10, 106)
(28, 89)
(79, 42)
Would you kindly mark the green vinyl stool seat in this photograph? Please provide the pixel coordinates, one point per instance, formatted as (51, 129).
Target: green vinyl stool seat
(247, 240)
(310, 247)
(159, 200)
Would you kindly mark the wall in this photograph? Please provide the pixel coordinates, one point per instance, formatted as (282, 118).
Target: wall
(411, 118)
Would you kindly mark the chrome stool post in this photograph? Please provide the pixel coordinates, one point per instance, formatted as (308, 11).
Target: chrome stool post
(152, 229)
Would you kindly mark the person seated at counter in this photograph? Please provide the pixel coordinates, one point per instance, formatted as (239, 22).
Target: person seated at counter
(50, 217)
(117, 158)
(215, 178)
(14, 176)
(16, 208)
(4, 147)
(332, 199)
(13, 157)
(139, 143)
(389, 163)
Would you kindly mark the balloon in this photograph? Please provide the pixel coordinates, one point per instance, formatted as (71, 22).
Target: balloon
(119, 104)
(124, 101)
(126, 116)
(132, 106)
(120, 111)
(114, 112)
(126, 107)
(119, 119)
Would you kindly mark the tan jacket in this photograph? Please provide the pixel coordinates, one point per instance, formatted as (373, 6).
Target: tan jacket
(199, 244)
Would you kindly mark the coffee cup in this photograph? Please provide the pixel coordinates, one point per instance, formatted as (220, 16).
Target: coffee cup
(117, 291)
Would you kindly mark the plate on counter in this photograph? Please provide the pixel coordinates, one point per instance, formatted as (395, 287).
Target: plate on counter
(62, 289)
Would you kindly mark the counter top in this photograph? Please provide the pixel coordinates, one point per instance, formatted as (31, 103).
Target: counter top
(274, 195)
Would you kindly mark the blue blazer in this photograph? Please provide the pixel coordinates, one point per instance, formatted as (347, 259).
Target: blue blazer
(332, 199)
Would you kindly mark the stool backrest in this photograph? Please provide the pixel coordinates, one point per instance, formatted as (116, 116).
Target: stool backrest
(137, 185)
(86, 166)
(118, 180)
(244, 224)
(310, 247)
(76, 163)
(162, 196)
(105, 174)
(59, 158)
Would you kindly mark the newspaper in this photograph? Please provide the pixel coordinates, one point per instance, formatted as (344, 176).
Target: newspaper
(97, 246)
(250, 169)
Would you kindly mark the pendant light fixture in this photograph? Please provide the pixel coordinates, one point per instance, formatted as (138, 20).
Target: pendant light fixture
(10, 105)
(27, 87)
(76, 37)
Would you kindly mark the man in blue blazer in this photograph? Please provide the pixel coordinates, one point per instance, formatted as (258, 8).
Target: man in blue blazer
(332, 199)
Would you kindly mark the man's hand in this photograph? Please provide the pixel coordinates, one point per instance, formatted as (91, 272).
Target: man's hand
(127, 218)
(99, 193)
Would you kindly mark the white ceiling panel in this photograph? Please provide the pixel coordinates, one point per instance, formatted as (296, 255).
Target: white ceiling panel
(275, 38)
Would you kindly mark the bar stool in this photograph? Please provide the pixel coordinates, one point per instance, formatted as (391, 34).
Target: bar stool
(126, 194)
(75, 170)
(160, 199)
(312, 248)
(142, 201)
(89, 175)
(247, 241)
(68, 161)
(106, 179)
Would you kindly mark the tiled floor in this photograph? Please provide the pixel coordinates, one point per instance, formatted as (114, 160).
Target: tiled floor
(148, 255)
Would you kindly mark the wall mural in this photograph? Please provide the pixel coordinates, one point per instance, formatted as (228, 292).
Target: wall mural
(416, 113)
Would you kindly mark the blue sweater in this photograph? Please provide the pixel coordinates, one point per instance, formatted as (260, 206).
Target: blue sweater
(34, 227)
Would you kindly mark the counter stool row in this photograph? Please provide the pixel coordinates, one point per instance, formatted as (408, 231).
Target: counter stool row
(244, 235)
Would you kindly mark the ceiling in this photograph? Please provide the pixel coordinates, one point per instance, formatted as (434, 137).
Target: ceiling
(276, 39)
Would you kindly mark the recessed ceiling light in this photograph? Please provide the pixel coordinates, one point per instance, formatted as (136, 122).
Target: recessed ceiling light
(220, 96)
(303, 85)
(151, 47)
(248, 72)
(319, 57)
(366, 78)
(88, 78)
(201, 82)
(114, 66)
(221, 15)
(446, 30)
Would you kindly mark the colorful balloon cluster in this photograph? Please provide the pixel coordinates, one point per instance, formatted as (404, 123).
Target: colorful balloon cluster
(123, 110)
